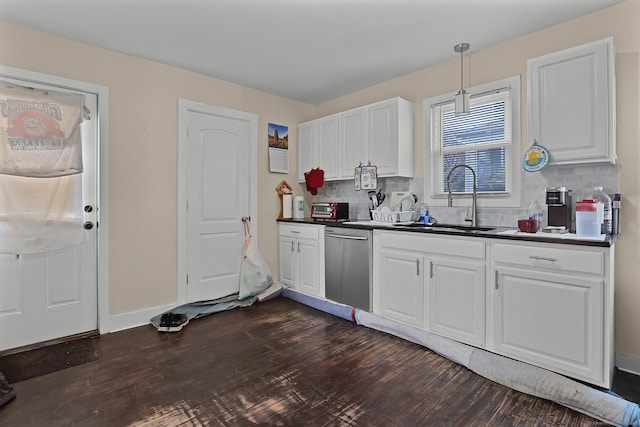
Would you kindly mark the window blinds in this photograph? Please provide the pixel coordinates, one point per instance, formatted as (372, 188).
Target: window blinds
(482, 139)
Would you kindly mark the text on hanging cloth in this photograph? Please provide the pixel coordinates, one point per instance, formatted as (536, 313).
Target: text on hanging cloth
(40, 135)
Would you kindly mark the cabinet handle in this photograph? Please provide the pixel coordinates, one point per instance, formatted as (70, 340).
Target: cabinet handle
(431, 269)
(541, 258)
(298, 247)
(292, 249)
(417, 267)
(295, 232)
(496, 279)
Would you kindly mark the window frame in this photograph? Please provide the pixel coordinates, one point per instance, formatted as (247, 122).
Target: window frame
(511, 199)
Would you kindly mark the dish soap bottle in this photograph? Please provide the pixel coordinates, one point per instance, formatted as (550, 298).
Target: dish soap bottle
(424, 213)
(602, 197)
(535, 212)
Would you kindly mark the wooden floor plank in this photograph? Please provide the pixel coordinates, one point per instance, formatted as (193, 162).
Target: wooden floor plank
(277, 363)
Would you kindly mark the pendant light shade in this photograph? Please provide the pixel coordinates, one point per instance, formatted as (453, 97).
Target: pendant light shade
(461, 99)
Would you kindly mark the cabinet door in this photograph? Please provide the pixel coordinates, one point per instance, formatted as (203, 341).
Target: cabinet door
(308, 266)
(328, 141)
(353, 140)
(550, 320)
(287, 261)
(401, 286)
(571, 103)
(382, 133)
(456, 300)
(307, 149)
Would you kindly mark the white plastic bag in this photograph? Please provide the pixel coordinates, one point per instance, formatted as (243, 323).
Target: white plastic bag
(255, 275)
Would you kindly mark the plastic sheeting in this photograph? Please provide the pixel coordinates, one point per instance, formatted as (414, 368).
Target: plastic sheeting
(519, 376)
(194, 310)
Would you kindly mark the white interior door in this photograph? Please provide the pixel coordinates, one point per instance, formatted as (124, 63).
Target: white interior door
(218, 176)
(53, 294)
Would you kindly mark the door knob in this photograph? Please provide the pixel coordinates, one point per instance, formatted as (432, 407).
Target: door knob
(88, 225)
(88, 208)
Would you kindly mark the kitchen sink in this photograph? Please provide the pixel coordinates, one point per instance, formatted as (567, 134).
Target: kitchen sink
(448, 227)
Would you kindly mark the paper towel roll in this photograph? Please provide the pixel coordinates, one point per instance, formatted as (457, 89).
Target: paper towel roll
(287, 206)
(298, 207)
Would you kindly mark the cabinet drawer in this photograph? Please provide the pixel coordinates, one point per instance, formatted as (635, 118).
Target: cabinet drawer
(443, 245)
(547, 258)
(305, 232)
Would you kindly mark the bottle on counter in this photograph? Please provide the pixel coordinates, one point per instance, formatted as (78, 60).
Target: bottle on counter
(535, 212)
(603, 198)
(424, 213)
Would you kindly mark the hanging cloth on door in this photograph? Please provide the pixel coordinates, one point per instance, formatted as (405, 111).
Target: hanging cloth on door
(40, 131)
(40, 169)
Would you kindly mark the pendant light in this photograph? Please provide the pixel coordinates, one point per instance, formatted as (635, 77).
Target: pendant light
(461, 99)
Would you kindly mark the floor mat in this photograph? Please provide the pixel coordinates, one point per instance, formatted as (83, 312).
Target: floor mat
(39, 361)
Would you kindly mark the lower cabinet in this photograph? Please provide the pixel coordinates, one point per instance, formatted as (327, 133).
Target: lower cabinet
(301, 257)
(547, 304)
(552, 307)
(432, 282)
(401, 286)
(456, 300)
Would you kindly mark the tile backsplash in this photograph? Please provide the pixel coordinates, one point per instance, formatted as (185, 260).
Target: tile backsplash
(579, 178)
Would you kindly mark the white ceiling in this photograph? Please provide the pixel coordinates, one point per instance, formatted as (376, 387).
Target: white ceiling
(308, 50)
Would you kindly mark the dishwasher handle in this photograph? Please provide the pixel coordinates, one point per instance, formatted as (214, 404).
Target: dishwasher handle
(343, 236)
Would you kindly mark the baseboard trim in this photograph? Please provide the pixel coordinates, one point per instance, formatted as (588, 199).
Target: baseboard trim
(628, 364)
(133, 319)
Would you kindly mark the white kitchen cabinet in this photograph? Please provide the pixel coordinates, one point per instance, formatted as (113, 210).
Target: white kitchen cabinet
(353, 141)
(390, 137)
(307, 148)
(400, 286)
(553, 307)
(328, 137)
(456, 303)
(433, 282)
(379, 134)
(301, 257)
(571, 103)
(318, 146)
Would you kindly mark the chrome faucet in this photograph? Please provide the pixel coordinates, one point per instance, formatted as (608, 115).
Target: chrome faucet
(474, 216)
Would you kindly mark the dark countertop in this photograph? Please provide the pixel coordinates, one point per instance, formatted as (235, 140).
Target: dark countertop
(502, 233)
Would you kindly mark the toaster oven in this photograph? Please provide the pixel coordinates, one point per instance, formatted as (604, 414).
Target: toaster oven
(334, 211)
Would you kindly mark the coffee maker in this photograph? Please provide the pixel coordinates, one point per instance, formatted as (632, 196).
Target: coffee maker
(560, 218)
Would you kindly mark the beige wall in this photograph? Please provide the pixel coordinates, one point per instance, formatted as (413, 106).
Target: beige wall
(510, 59)
(143, 114)
(143, 128)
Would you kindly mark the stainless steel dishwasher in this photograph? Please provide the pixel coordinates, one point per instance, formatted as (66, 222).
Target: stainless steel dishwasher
(347, 257)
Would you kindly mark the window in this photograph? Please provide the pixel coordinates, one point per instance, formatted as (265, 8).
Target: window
(487, 140)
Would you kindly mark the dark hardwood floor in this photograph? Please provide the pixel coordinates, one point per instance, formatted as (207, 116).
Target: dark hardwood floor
(278, 363)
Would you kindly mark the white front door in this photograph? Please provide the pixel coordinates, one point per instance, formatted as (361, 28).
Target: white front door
(218, 194)
(53, 294)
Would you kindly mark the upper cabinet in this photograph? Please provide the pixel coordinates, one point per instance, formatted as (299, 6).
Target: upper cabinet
(307, 148)
(571, 103)
(317, 145)
(353, 134)
(379, 134)
(390, 137)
